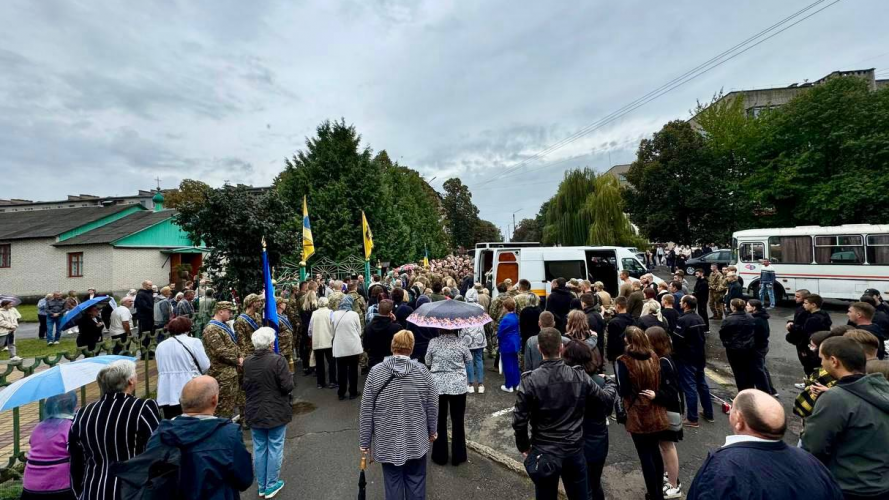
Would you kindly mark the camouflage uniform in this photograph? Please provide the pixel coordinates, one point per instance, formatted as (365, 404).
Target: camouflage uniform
(359, 306)
(521, 300)
(224, 353)
(285, 343)
(717, 284)
(496, 313)
(333, 302)
(245, 333)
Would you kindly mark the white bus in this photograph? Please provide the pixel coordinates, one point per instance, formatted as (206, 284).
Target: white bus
(835, 262)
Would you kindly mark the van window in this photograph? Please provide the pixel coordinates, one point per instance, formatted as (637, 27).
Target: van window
(752, 252)
(564, 269)
(633, 266)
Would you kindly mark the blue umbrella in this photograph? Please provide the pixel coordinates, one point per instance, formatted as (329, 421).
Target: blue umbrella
(71, 317)
(57, 380)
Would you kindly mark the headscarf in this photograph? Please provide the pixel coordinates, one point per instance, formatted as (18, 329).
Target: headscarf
(472, 296)
(346, 303)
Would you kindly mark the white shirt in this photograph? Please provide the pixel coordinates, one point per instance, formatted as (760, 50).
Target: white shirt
(175, 367)
(744, 438)
(118, 316)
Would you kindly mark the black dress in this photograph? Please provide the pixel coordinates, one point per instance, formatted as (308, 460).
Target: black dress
(90, 332)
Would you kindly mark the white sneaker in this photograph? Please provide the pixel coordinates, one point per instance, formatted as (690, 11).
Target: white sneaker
(5, 348)
(481, 389)
(800, 386)
(470, 389)
(671, 492)
(15, 359)
(504, 389)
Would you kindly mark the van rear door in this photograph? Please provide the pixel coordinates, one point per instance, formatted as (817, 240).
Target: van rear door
(505, 266)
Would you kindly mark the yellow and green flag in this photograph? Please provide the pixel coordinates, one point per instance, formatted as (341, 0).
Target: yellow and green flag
(368, 237)
(308, 242)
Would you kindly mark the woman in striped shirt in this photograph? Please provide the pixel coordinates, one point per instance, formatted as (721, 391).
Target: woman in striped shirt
(399, 417)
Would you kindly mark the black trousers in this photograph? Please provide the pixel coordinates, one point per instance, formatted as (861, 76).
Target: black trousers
(763, 380)
(305, 350)
(457, 404)
(702, 308)
(652, 463)
(594, 479)
(117, 348)
(322, 356)
(744, 367)
(574, 477)
(347, 371)
(41, 331)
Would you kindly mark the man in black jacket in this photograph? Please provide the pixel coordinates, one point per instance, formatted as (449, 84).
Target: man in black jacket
(555, 448)
(378, 334)
(144, 304)
(689, 338)
(594, 320)
(861, 316)
(734, 289)
(615, 345)
(736, 334)
(794, 331)
(702, 295)
(881, 304)
(559, 302)
(816, 320)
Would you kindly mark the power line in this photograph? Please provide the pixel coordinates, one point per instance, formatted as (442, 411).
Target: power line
(677, 82)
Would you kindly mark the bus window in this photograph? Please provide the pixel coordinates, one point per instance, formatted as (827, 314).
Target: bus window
(839, 249)
(878, 249)
(790, 249)
(567, 269)
(752, 252)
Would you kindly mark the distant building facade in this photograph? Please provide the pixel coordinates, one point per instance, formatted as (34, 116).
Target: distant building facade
(619, 172)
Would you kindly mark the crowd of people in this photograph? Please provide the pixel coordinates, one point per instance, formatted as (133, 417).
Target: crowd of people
(637, 357)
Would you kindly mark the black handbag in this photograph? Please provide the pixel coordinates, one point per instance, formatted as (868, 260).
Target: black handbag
(541, 465)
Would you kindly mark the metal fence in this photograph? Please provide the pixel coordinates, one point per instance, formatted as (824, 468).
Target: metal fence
(14, 438)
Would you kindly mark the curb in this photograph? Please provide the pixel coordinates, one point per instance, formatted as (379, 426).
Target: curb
(505, 461)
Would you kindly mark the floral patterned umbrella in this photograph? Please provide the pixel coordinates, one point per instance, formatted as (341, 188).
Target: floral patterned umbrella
(449, 315)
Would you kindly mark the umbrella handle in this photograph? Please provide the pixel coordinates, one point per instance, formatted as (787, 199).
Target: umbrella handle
(363, 460)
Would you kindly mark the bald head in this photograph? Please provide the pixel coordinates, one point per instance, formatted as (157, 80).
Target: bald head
(755, 413)
(200, 396)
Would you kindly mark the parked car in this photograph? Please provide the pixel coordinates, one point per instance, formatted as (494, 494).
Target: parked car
(721, 258)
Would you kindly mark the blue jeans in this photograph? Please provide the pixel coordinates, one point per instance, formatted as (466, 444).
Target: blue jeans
(694, 384)
(770, 290)
(475, 370)
(268, 453)
(53, 324)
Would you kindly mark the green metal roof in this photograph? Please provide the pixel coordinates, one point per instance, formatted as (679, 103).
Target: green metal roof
(164, 234)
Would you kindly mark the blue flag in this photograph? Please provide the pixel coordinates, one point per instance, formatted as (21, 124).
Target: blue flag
(270, 318)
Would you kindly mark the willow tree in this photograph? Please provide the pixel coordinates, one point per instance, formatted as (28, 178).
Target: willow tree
(606, 208)
(567, 219)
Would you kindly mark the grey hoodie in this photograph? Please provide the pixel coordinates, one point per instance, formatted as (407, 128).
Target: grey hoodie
(849, 432)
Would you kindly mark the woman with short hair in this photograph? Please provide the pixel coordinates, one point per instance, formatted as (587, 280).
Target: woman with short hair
(267, 385)
(346, 347)
(447, 358)
(180, 358)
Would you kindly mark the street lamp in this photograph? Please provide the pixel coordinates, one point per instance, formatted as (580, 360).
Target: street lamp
(513, 224)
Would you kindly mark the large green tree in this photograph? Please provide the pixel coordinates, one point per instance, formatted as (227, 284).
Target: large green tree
(610, 224)
(567, 220)
(461, 213)
(528, 230)
(232, 221)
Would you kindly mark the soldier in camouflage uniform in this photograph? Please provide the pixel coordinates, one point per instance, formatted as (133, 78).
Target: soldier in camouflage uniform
(243, 325)
(285, 334)
(359, 305)
(495, 312)
(225, 358)
(718, 287)
(333, 301)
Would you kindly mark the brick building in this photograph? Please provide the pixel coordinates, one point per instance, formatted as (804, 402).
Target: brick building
(110, 248)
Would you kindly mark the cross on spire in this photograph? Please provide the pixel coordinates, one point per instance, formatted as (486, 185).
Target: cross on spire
(158, 179)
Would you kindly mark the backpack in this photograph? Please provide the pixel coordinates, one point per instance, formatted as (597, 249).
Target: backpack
(153, 475)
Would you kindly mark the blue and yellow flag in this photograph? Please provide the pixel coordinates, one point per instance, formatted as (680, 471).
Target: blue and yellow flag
(425, 256)
(270, 316)
(368, 237)
(308, 242)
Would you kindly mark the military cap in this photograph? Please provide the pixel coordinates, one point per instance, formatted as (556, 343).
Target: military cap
(223, 305)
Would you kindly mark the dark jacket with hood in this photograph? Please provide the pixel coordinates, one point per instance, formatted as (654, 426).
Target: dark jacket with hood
(761, 331)
(849, 432)
(736, 332)
(378, 338)
(559, 303)
(800, 333)
(144, 304)
(215, 463)
(614, 347)
(268, 384)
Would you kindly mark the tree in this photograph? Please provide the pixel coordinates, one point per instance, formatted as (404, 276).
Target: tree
(567, 219)
(528, 230)
(486, 231)
(189, 191)
(462, 214)
(823, 157)
(232, 221)
(610, 224)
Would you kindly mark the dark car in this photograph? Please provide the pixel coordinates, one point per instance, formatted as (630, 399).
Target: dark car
(721, 258)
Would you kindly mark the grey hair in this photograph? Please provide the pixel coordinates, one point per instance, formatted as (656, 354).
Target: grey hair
(115, 377)
(533, 300)
(63, 404)
(263, 338)
(323, 302)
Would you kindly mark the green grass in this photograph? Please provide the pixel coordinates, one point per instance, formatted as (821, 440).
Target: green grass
(32, 348)
(28, 312)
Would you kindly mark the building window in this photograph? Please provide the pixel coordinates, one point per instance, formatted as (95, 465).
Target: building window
(5, 255)
(790, 249)
(839, 249)
(75, 265)
(877, 249)
(752, 252)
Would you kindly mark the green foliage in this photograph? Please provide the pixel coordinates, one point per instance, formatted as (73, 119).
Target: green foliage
(232, 221)
(528, 230)
(567, 220)
(610, 224)
(28, 312)
(486, 231)
(341, 178)
(189, 191)
(462, 214)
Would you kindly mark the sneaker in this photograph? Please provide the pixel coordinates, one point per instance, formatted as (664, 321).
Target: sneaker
(671, 492)
(16, 359)
(481, 389)
(5, 348)
(776, 394)
(689, 423)
(333, 386)
(470, 389)
(800, 386)
(274, 489)
(504, 389)
(261, 492)
(709, 419)
(319, 386)
(666, 480)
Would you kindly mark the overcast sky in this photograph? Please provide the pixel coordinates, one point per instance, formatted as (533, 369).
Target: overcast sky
(102, 97)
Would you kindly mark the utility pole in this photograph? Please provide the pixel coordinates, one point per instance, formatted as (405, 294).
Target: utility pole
(513, 224)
